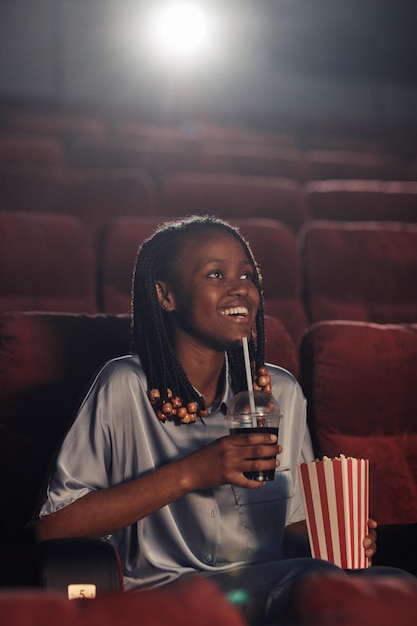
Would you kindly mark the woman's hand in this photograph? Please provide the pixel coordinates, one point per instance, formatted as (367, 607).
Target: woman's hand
(369, 543)
(223, 461)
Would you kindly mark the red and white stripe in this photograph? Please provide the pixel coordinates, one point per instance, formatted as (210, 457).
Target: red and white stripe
(336, 500)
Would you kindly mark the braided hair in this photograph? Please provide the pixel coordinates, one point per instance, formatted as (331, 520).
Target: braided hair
(156, 261)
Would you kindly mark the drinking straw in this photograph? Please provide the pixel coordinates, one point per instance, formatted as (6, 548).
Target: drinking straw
(249, 377)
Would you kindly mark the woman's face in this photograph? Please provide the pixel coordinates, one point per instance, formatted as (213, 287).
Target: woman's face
(214, 299)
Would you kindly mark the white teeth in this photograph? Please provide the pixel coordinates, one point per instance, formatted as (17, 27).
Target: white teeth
(237, 310)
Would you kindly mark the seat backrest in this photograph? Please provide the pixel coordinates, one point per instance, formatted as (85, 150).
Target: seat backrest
(35, 189)
(97, 196)
(275, 249)
(46, 263)
(331, 599)
(360, 382)
(325, 164)
(62, 125)
(46, 361)
(234, 195)
(27, 150)
(360, 271)
(118, 247)
(254, 159)
(196, 600)
(362, 200)
(274, 246)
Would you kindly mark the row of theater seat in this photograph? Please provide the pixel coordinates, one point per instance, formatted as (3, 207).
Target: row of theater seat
(329, 270)
(96, 196)
(162, 157)
(319, 601)
(300, 153)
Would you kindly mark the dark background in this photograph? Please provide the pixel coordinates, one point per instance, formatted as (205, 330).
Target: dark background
(269, 59)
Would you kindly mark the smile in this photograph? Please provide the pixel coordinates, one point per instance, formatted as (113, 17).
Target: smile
(236, 311)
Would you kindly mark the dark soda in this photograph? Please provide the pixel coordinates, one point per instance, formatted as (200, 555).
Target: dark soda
(266, 474)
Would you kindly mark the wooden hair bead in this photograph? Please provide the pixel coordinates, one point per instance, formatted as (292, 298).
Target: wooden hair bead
(192, 407)
(176, 402)
(203, 412)
(181, 412)
(264, 380)
(186, 419)
(167, 408)
(154, 396)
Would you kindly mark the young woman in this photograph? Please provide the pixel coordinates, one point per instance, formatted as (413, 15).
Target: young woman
(149, 464)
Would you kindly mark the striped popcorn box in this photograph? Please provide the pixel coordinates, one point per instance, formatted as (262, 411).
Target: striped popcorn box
(336, 501)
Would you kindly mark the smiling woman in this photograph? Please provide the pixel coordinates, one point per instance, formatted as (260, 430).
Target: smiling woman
(160, 477)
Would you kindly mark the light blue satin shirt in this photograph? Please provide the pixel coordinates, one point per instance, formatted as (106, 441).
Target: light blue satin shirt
(116, 437)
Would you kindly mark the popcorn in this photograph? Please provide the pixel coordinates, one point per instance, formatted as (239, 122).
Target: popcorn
(336, 500)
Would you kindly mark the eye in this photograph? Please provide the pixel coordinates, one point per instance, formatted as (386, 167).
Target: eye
(247, 276)
(215, 274)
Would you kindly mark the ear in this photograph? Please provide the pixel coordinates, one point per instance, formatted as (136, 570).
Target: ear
(165, 296)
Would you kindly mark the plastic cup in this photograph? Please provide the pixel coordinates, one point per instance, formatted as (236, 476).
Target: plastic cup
(265, 419)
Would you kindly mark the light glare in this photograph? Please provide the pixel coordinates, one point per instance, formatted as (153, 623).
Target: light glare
(181, 28)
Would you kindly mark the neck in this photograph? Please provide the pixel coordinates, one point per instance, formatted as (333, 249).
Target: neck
(203, 369)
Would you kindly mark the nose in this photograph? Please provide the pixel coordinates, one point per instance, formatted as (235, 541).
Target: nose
(238, 287)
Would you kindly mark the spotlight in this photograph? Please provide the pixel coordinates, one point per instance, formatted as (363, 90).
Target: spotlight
(180, 28)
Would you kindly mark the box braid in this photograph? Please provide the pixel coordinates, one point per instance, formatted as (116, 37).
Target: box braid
(156, 260)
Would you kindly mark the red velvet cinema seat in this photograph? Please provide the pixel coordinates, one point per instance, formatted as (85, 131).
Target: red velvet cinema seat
(37, 189)
(46, 263)
(157, 156)
(55, 124)
(360, 381)
(97, 196)
(256, 159)
(29, 151)
(46, 363)
(274, 246)
(360, 271)
(118, 247)
(333, 600)
(234, 195)
(327, 600)
(192, 602)
(349, 164)
(354, 200)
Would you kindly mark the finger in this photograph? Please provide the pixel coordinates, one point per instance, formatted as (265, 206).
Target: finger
(253, 439)
(369, 539)
(261, 452)
(253, 484)
(369, 553)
